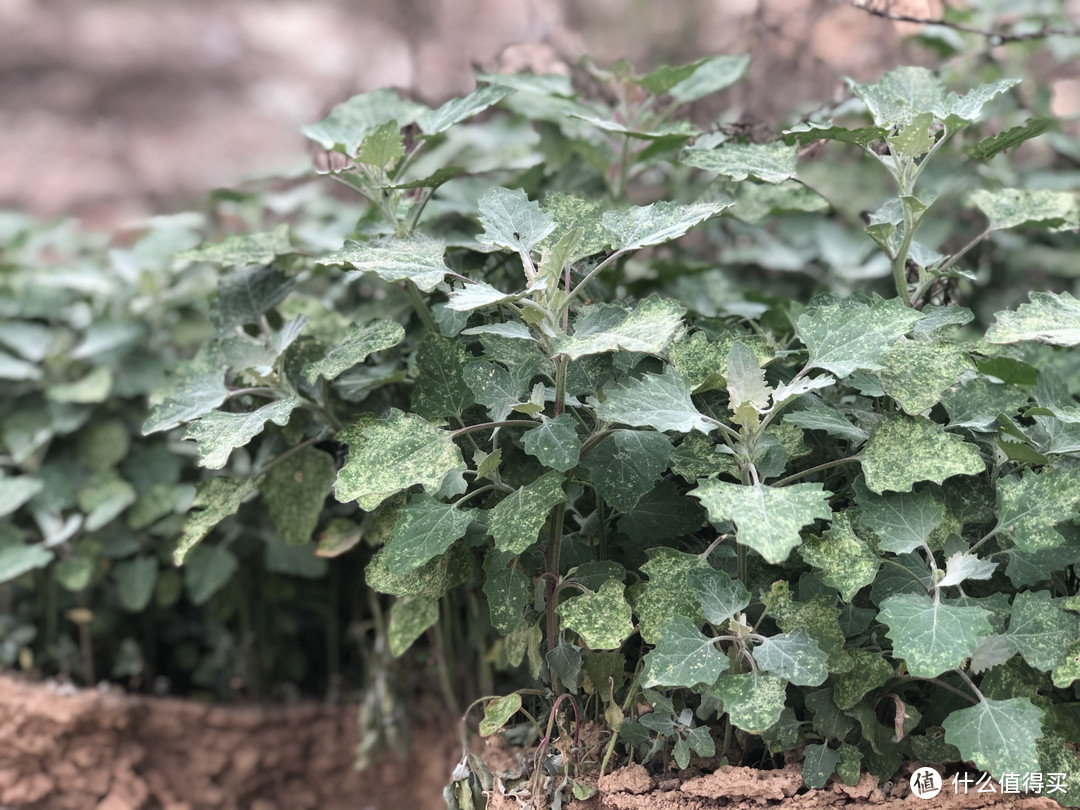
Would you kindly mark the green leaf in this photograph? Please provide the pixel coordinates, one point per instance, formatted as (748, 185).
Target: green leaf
(135, 582)
(393, 454)
(769, 162)
(354, 349)
(425, 528)
(753, 701)
(409, 618)
(847, 335)
(245, 295)
(350, 122)
(746, 379)
(416, 258)
(208, 570)
(17, 490)
(508, 592)
(931, 636)
(915, 138)
(794, 657)
(659, 401)
(960, 567)
(1009, 139)
(847, 562)
(218, 432)
(432, 579)
(663, 513)
(555, 443)
(827, 419)
(906, 449)
(498, 713)
(565, 662)
(819, 763)
(215, 499)
(710, 75)
(456, 110)
(512, 221)
(720, 596)
(655, 224)
(294, 491)
(667, 593)
(1040, 630)
(104, 498)
(383, 146)
(626, 465)
(440, 390)
(602, 619)
(916, 374)
(907, 92)
(1018, 207)
(12, 368)
(999, 736)
(598, 328)
(1031, 505)
(494, 387)
(573, 214)
(869, 671)
(516, 520)
(683, 656)
(767, 519)
(17, 558)
(94, 387)
(1068, 671)
(808, 132)
(1050, 318)
(240, 250)
(196, 388)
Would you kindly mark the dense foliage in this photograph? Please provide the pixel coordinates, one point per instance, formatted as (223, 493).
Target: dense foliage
(589, 454)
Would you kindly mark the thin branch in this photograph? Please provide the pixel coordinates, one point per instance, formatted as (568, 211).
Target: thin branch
(825, 466)
(485, 425)
(1000, 36)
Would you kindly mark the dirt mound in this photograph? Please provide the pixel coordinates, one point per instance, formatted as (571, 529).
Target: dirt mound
(62, 749)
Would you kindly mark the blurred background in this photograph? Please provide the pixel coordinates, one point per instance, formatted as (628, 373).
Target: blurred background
(113, 109)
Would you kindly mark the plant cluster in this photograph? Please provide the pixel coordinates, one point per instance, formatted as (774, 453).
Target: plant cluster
(579, 447)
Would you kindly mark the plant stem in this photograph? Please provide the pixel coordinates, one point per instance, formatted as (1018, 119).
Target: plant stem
(420, 306)
(825, 466)
(485, 425)
(971, 683)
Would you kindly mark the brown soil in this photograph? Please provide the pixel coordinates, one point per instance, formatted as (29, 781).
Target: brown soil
(65, 749)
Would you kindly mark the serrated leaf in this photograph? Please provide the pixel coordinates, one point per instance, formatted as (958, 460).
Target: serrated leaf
(869, 671)
(827, 419)
(17, 490)
(294, 491)
(409, 618)
(512, 221)
(393, 454)
(626, 465)
(1031, 505)
(769, 162)
(961, 566)
(828, 721)
(440, 389)
(383, 147)
(425, 528)
(350, 122)
(433, 579)
(1017, 207)
(720, 596)
(240, 250)
(909, 91)
(135, 581)
(415, 258)
(218, 433)
(1009, 139)
(247, 294)
(1049, 318)
(916, 374)
(649, 327)
(904, 449)
(931, 636)
(809, 132)
(793, 656)
(555, 443)
(659, 401)
(494, 387)
(991, 651)
(456, 110)
(746, 379)
(999, 736)
(767, 519)
(667, 593)
(847, 562)
(752, 701)
(602, 619)
(215, 499)
(498, 713)
(847, 335)
(1040, 630)
(573, 214)
(915, 138)
(515, 522)
(663, 513)
(354, 349)
(683, 656)
(508, 592)
(819, 763)
(655, 224)
(710, 75)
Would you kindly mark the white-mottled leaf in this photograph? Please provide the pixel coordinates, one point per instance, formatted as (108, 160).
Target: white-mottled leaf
(354, 349)
(999, 736)
(1050, 317)
(931, 636)
(648, 327)
(769, 162)
(416, 258)
(659, 401)
(512, 221)
(218, 433)
(644, 225)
